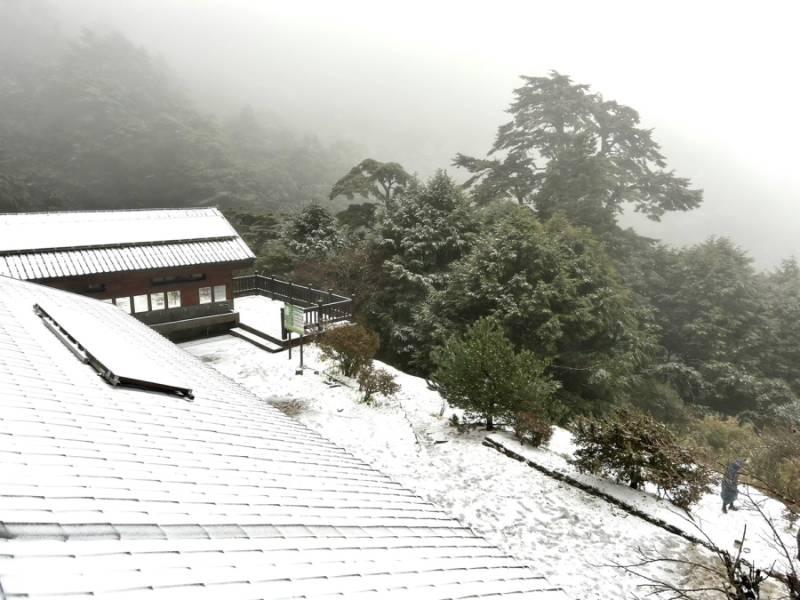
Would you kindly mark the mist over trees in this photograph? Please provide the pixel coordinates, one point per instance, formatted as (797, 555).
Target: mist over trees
(97, 122)
(569, 150)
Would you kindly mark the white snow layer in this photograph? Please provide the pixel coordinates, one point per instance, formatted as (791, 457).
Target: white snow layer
(567, 535)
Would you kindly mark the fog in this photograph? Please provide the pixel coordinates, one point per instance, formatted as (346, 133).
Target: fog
(416, 82)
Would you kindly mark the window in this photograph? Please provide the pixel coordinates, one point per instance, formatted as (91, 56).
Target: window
(124, 304)
(158, 301)
(174, 299)
(220, 293)
(205, 295)
(96, 288)
(140, 303)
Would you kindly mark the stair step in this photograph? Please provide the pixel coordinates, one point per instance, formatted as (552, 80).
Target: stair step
(256, 340)
(260, 334)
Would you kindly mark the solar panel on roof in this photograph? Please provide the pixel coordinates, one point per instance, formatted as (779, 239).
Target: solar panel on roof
(85, 336)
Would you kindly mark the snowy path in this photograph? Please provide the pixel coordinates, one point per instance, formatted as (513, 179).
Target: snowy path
(564, 533)
(723, 530)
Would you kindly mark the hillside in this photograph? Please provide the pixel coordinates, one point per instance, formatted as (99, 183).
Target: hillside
(571, 537)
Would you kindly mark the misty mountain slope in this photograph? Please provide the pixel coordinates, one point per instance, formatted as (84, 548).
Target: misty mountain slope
(98, 122)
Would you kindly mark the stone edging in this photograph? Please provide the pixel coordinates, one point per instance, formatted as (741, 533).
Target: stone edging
(489, 442)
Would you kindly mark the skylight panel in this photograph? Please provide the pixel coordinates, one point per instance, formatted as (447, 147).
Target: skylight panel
(86, 336)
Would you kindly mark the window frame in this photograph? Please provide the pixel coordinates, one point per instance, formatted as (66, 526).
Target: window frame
(210, 292)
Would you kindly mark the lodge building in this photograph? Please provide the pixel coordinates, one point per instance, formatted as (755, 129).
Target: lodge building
(171, 268)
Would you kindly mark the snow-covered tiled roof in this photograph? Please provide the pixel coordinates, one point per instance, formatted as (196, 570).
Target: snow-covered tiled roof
(119, 493)
(53, 245)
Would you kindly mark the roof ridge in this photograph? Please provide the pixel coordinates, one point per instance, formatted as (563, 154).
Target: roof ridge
(109, 210)
(54, 249)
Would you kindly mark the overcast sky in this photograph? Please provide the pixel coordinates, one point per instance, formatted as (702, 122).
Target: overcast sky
(419, 81)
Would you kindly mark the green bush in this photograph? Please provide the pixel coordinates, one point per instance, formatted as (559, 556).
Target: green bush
(373, 381)
(351, 347)
(482, 374)
(635, 449)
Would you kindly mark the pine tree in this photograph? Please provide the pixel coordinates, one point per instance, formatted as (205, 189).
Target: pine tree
(481, 373)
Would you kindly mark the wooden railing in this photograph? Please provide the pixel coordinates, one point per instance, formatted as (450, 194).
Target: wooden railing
(320, 308)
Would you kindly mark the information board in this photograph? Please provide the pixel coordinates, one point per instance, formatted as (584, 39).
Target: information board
(294, 318)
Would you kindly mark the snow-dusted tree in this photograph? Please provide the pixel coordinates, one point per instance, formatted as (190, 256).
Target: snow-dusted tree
(635, 449)
(481, 373)
(729, 336)
(569, 150)
(372, 179)
(312, 233)
(421, 233)
(556, 293)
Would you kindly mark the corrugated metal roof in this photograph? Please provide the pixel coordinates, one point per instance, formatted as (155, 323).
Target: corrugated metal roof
(116, 493)
(54, 245)
(69, 263)
(43, 231)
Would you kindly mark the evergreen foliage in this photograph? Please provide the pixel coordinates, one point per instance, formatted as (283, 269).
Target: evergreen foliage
(312, 233)
(635, 449)
(719, 328)
(555, 291)
(482, 374)
(569, 150)
(372, 179)
(419, 235)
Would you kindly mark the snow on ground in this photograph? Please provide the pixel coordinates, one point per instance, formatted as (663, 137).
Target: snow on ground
(563, 533)
(261, 313)
(707, 519)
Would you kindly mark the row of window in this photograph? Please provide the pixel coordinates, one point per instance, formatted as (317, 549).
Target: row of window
(171, 299)
(218, 293)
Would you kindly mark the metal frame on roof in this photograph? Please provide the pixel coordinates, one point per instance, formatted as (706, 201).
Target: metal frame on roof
(85, 356)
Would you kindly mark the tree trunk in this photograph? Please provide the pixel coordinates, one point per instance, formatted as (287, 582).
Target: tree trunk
(489, 423)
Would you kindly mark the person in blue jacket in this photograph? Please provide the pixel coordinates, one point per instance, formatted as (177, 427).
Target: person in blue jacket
(730, 486)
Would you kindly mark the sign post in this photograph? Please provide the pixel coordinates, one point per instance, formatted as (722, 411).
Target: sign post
(294, 321)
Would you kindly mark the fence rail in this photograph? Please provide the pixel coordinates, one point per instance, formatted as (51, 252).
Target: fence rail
(320, 308)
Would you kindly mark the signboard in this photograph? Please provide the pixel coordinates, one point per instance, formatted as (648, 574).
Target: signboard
(294, 319)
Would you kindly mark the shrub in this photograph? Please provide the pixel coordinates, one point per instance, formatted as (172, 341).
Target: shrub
(532, 428)
(722, 440)
(290, 408)
(775, 464)
(633, 448)
(373, 381)
(351, 347)
(482, 374)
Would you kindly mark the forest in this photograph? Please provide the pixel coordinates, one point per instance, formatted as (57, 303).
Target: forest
(517, 255)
